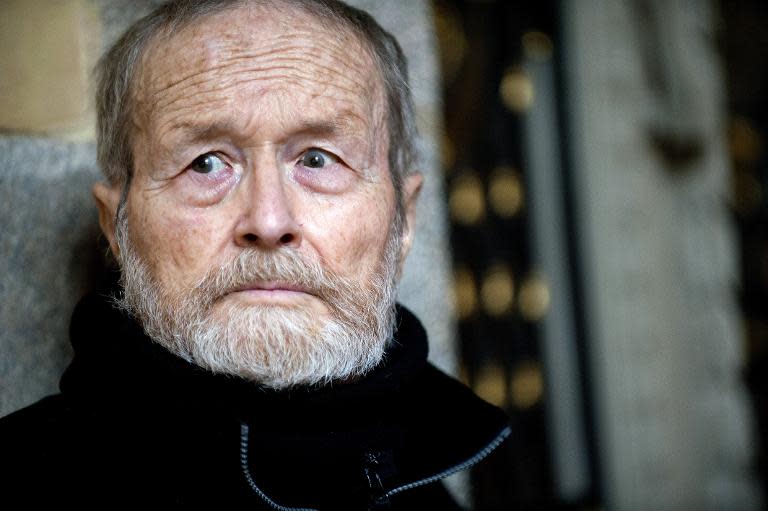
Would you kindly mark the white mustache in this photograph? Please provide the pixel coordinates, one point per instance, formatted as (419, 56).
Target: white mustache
(286, 266)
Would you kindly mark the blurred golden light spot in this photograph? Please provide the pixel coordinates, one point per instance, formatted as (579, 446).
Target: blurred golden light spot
(447, 152)
(534, 298)
(537, 45)
(464, 292)
(497, 291)
(463, 374)
(490, 384)
(516, 90)
(745, 142)
(466, 200)
(526, 385)
(452, 40)
(505, 192)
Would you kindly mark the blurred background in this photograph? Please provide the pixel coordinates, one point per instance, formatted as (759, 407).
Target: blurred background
(592, 252)
(605, 176)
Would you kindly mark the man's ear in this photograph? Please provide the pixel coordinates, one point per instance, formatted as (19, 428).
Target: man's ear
(411, 189)
(107, 199)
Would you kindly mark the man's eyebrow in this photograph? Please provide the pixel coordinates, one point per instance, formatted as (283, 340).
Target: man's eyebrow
(191, 132)
(195, 131)
(341, 126)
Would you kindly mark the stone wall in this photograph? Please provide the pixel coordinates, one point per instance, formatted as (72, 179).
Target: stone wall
(660, 264)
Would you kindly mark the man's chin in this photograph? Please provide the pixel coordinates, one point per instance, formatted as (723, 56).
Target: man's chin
(279, 346)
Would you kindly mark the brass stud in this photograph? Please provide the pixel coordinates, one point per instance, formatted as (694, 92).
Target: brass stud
(466, 200)
(490, 384)
(462, 373)
(534, 297)
(464, 292)
(505, 192)
(516, 89)
(526, 385)
(497, 291)
(447, 152)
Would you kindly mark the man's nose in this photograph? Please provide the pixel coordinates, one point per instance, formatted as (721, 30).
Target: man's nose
(267, 220)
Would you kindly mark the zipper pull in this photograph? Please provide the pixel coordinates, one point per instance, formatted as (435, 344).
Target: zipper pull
(378, 498)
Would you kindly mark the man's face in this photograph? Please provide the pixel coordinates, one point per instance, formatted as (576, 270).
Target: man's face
(261, 203)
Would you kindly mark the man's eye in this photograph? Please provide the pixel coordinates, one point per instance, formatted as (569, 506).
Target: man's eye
(207, 163)
(317, 159)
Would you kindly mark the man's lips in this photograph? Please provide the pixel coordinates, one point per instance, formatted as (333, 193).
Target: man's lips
(273, 288)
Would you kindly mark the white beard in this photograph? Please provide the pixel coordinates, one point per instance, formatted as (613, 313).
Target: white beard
(275, 346)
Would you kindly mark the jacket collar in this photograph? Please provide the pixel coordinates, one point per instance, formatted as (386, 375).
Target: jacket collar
(418, 423)
(114, 357)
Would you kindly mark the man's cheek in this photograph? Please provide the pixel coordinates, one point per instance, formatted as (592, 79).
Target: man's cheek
(181, 248)
(348, 233)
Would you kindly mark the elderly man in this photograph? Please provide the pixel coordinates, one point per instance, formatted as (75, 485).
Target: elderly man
(259, 200)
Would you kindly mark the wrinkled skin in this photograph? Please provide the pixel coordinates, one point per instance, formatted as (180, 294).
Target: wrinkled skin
(257, 90)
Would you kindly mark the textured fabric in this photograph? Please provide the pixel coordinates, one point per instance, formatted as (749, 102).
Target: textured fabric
(133, 423)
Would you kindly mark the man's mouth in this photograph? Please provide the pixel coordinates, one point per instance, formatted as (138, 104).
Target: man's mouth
(273, 289)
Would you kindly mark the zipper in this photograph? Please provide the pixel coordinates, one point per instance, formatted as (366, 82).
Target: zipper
(380, 497)
(474, 460)
(247, 473)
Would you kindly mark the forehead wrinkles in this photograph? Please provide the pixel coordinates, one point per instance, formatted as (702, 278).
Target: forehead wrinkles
(193, 68)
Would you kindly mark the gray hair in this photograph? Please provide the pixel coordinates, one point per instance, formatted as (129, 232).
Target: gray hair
(118, 66)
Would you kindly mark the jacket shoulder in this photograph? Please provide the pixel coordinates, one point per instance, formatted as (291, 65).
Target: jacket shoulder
(51, 411)
(451, 429)
(35, 434)
(451, 400)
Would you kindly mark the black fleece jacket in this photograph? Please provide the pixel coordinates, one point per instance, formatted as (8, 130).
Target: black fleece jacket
(134, 424)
